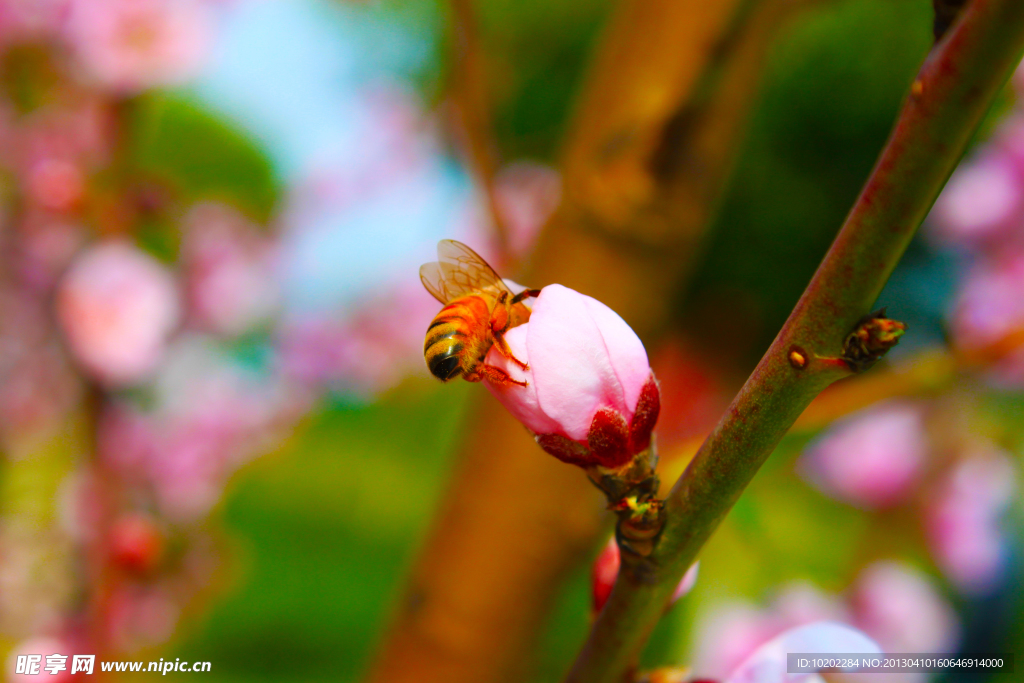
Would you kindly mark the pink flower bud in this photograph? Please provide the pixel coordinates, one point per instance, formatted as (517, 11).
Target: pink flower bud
(136, 543)
(590, 398)
(117, 305)
(606, 570)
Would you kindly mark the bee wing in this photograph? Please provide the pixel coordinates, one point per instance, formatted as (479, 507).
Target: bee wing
(459, 271)
(433, 280)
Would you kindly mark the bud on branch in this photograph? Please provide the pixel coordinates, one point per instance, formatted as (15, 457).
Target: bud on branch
(871, 339)
(590, 400)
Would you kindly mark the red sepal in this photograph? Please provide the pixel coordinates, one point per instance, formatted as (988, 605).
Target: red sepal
(609, 438)
(565, 449)
(645, 417)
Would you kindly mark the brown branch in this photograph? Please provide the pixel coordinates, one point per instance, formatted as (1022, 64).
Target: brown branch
(473, 108)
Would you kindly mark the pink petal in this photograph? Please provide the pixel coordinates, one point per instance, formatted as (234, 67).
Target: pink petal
(688, 581)
(571, 362)
(963, 521)
(522, 402)
(627, 353)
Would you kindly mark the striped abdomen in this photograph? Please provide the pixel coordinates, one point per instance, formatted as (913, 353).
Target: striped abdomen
(457, 338)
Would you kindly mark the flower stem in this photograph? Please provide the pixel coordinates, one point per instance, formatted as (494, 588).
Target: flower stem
(947, 101)
(632, 493)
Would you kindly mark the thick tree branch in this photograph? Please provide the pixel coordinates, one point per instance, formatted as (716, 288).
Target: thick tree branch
(473, 109)
(951, 94)
(514, 522)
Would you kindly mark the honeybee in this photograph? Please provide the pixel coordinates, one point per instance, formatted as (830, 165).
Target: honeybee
(479, 309)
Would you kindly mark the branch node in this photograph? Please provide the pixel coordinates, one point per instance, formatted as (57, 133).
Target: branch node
(632, 494)
(797, 357)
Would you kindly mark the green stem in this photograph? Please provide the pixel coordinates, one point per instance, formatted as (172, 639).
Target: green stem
(951, 94)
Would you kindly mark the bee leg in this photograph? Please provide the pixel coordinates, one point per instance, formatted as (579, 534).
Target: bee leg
(494, 376)
(505, 350)
(525, 294)
(499, 324)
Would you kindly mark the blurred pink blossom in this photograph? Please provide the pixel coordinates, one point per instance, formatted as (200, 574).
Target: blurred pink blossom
(365, 352)
(871, 459)
(989, 309)
(900, 608)
(77, 132)
(45, 248)
(208, 417)
(141, 616)
(769, 663)
(733, 631)
(228, 268)
(130, 45)
(56, 184)
(400, 145)
(890, 603)
(963, 520)
(117, 306)
(44, 646)
(38, 384)
(989, 306)
(526, 194)
(727, 636)
(24, 20)
(983, 200)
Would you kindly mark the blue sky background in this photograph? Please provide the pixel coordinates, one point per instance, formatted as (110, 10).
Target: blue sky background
(295, 75)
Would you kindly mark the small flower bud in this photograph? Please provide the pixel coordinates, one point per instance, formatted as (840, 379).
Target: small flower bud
(606, 570)
(875, 335)
(136, 543)
(590, 398)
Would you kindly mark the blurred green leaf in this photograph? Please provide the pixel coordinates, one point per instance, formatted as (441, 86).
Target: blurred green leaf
(201, 155)
(539, 51)
(327, 527)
